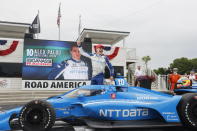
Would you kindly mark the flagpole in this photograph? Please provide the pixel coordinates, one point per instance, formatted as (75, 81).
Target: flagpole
(37, 21)
(59, 32)
(58, 22)
(79, 28)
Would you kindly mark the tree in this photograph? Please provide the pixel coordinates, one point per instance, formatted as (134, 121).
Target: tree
(146, 59)
(160, 71)
(183, 64)
(194, 64)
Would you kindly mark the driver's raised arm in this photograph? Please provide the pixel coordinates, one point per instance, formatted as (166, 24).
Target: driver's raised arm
(82, 52)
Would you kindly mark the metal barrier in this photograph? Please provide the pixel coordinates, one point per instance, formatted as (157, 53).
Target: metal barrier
(161, 83)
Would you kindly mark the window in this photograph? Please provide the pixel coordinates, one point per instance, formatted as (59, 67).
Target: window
(10, 69)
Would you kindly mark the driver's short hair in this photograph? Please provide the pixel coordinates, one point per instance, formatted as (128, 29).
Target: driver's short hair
(73, 45)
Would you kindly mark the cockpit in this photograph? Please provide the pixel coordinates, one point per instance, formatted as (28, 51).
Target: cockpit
(84, 92)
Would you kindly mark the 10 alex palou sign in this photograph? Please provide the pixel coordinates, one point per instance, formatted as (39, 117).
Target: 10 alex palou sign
(54, 65)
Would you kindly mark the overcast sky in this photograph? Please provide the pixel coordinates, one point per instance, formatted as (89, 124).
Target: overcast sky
(162, 29)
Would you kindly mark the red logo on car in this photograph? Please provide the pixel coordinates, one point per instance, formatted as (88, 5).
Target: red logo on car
(113, 96)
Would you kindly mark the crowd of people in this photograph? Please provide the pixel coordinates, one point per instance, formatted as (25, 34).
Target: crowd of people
(174, 78)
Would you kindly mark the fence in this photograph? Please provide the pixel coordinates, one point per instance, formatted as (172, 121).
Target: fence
(161, 83)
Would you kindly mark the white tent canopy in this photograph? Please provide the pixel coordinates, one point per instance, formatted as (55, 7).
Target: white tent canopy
(103, 36)
(13, 29)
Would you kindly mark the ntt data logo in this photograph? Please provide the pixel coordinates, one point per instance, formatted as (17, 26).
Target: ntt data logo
(123, 112)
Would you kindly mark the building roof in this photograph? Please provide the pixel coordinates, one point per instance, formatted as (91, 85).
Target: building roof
(103, 36)
(13, 29)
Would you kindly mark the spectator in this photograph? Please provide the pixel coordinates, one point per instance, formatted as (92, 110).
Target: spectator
(192, 76)
(173, 78)
(137, 74)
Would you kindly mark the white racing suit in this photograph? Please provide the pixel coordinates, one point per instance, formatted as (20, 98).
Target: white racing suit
(98, 66)
(70, 69)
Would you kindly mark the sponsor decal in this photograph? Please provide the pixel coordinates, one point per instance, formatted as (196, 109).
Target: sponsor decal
(66, 112)
(38, 62)
(52, 85)
(49, 118)
(113, 96)
(62, 109)
(172, 117)
(187, 111)
(168, 113)
(140, 112)
(143, 97)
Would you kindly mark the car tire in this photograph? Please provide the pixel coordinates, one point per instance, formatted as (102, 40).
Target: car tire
(187, 109)
(37, 115)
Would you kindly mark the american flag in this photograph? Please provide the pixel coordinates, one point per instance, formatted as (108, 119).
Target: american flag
(59, 16)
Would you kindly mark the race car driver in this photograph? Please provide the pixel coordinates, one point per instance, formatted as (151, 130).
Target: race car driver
(73, 68)
(99, 61)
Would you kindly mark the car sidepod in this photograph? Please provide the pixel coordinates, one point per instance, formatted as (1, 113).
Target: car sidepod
(168, 109)
(124, 109)
(67, 108)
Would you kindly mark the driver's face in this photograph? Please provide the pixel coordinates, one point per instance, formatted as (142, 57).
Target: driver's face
(99, 51)
(75, 54)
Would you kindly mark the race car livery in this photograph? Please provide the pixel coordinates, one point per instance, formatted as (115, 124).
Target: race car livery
(105, 106)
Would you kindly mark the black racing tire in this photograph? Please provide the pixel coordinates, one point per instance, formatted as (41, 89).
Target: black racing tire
(187, 109)
(37, 115)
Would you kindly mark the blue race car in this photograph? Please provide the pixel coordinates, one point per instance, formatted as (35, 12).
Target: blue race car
(105, 106)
